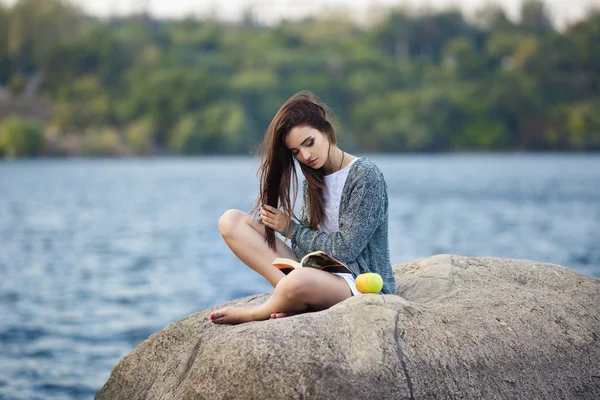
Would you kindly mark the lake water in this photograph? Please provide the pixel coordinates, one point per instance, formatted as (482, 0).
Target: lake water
(96, 255)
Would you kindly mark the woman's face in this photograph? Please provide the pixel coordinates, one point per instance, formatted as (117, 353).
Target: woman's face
(308, 145)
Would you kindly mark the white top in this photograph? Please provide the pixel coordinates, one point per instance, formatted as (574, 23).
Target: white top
(332, 197)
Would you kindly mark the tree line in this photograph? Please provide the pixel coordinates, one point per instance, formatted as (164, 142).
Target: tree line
(433, 81)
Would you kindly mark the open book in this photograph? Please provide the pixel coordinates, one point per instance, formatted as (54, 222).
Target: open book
(316, 259)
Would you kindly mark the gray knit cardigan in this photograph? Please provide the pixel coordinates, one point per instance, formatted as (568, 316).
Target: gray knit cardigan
(362, 241)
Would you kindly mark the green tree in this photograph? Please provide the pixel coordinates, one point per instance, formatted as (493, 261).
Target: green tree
(535, 17)
(140, 136)
(220, 128)
(493, 18)
(21, 137)
(35, 27)
(426, 81)
(4, 54)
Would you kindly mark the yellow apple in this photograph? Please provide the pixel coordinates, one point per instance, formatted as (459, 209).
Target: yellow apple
(369, 283)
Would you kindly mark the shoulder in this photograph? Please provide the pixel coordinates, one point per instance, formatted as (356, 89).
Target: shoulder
(365, 169)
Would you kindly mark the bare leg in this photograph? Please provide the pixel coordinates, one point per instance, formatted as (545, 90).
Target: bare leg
(294, 293)
(245, 237)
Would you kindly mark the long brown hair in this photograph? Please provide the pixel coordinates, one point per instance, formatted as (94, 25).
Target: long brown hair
(277, 172)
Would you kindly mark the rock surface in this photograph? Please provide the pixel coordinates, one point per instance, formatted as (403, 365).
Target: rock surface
(459, 327)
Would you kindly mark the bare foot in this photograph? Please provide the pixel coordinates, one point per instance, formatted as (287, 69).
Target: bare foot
(234, 315)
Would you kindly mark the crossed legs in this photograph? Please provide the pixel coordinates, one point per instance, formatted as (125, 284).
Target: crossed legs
(293, 293)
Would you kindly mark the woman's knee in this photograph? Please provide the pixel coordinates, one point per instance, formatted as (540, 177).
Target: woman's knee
(297, 284)
(229, 222)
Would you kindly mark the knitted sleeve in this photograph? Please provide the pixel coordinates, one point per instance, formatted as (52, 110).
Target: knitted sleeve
(358, 221)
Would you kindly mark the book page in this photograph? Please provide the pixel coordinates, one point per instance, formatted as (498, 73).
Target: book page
(320, 261)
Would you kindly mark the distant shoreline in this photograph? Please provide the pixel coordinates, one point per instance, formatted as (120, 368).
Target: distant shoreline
(594, 153)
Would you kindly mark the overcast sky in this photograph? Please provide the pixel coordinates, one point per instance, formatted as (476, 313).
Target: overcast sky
(270, 10)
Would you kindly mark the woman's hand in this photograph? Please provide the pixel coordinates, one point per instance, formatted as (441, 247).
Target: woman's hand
(273, 218)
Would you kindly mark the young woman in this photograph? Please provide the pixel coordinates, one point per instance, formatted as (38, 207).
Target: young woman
(344, 213)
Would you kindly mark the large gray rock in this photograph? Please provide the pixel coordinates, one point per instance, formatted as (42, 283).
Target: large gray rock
(480, 328)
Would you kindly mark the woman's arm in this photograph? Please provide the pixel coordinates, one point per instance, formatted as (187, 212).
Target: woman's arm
(357, 224)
